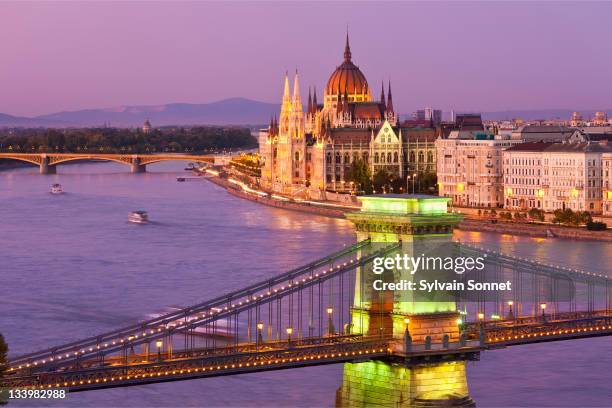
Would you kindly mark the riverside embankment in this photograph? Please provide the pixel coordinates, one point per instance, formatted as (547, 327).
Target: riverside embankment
(468, 224)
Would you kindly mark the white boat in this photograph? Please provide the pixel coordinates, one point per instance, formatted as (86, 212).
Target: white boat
(56, 189)
(138, 217)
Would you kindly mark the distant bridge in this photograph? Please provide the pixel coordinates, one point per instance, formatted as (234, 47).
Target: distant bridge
(137, 162)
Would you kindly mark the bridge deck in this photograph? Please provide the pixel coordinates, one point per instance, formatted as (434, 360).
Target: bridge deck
(137, 369)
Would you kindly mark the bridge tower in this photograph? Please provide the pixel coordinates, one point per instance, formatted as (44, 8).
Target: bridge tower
(423, 226)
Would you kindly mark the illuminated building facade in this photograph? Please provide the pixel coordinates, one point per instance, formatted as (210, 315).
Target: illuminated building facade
(469, 168)
(606, 163)
(552, 176)
(308, 151)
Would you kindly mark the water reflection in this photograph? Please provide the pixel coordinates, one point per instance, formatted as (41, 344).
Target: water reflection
(72, 266)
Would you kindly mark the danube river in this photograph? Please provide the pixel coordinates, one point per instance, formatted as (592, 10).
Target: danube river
(72, 266)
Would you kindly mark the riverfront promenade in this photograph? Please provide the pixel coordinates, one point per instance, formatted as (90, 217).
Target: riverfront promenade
(473, 223)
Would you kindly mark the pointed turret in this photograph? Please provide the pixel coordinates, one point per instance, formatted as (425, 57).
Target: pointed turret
(390, 100)
(286, 107)
(286, 104)
(345, 106)
(339, 104)
(297, 100)
(382, 97)
(286, 91)
(314, 101)
(347, 49)
(309, 111)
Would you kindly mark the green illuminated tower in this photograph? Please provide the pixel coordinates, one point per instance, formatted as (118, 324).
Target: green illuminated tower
(424, 227)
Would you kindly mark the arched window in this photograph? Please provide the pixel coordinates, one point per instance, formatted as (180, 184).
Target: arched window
(421, 157)
(337, 158)
(365, 157)
(395, 157)
(382, 157)
(389, 158)
(297, 156)
(328, 157)
(347, 158)
(430, 156)
(376, 157)
(412, 157)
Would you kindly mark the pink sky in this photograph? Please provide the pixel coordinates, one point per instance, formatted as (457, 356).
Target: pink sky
(464, 56)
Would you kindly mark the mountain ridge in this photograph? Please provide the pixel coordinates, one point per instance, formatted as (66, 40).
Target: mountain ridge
(230, 111)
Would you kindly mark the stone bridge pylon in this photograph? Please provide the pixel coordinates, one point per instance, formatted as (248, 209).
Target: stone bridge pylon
(423, 225)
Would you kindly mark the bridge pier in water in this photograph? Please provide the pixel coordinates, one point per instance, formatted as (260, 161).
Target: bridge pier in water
(44, 167)
(422, 225)
(136, 167)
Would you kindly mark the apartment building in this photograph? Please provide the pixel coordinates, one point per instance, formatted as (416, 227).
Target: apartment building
(606, 173)
(469, 168)
(552, 176)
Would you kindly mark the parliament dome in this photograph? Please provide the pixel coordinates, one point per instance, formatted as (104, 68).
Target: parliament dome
(348, 78)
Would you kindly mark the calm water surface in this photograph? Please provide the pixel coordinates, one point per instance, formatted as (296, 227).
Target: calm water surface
(71, 266)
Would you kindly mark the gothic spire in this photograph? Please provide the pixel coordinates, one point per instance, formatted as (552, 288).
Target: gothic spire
(314, 100)
(297, 101)
(286, 92)
(309, 101)
(390, 100)
(286, 106)
(382, 96)
(347, 48)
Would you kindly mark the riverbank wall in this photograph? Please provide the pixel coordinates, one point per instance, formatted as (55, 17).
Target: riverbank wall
(286, 205)
(468, 224)
(535, 230)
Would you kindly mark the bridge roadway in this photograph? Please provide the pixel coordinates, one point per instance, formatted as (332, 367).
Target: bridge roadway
(146, 368)
(137, 162)
(287, 302)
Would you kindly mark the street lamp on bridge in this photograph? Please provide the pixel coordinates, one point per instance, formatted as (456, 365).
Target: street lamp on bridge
(407, 337)
(330, 321)
(260, 326)
(289, 331)
(159, 345)
(543, 307)
(510, 312)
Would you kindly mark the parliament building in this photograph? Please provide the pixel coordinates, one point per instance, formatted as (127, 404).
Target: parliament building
(307, 152)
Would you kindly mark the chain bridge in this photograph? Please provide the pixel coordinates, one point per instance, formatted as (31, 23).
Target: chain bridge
(396, 350)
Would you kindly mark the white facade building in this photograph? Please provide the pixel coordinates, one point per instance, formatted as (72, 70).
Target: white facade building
(606, 164)
(552, 176)
(470, 169)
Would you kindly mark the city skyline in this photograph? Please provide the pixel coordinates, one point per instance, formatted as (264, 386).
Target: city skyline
(467, 56)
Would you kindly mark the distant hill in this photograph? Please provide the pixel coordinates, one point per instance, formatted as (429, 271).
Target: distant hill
(234, 111)
(20, 121)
